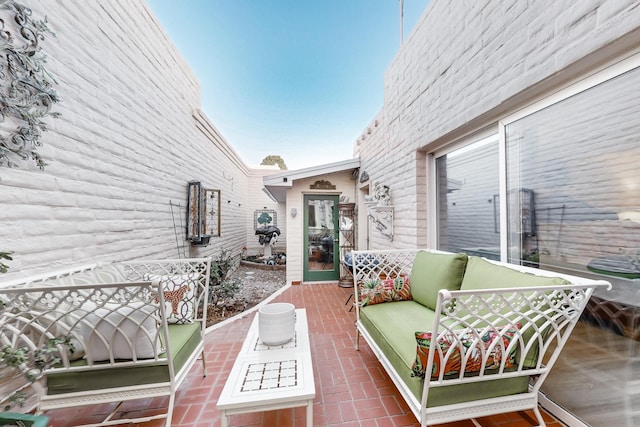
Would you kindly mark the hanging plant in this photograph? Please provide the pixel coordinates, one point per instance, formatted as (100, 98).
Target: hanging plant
(26, 87)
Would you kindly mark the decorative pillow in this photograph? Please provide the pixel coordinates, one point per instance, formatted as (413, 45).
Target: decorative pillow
(453, 364)
(127, 331)
(109, 273)
(434, 271)
(377, 291)
(179, 297)
(57, 316)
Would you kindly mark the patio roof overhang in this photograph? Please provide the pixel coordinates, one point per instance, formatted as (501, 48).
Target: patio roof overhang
(276, 186)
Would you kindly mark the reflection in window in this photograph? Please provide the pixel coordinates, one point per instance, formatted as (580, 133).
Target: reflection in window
(468, 187)
(580, 159)
(321, 235)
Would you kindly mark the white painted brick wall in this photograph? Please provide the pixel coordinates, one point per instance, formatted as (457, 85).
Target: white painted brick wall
(469, 63)
(128, 141)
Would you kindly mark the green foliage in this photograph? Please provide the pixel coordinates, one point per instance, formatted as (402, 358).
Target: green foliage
(26, 87)
(220, 267)
(219, 285)
(228, 288)
(32, 364)
(6, 256)
(274, 160)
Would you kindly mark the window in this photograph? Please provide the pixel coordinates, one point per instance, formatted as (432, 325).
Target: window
(571, 194)
(468, 187)
(579, 159)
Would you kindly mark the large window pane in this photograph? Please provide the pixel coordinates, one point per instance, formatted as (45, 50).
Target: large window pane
(574, 205)
(468, 186)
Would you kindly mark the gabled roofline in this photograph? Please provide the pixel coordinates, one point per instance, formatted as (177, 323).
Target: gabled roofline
(276, 185)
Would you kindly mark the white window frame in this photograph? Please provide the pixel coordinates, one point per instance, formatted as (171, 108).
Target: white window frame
(432, 199)
(574, 87)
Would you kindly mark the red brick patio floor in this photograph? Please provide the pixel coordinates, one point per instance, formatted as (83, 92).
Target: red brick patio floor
(352, 389)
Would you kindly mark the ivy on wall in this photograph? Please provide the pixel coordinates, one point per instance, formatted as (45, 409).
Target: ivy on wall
(26, 87)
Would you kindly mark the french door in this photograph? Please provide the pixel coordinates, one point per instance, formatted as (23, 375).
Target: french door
(321, 261)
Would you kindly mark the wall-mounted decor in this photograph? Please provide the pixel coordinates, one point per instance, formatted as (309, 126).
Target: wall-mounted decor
(264, 218)
(26, 87)
(380, 210)
(382, 218)
(212, 212)
(381, 195)
(196, 214)
(322, 185)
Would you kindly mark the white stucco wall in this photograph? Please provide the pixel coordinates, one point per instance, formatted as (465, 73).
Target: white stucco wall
(129, 139)
(466, 65)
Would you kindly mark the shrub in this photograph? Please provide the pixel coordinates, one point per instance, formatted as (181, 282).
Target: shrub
(220, 286)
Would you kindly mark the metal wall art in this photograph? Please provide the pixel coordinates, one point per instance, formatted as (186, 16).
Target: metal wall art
(26, 92)
(196, 214)
(212, 212)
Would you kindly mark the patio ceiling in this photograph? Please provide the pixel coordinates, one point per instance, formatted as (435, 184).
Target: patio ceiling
(276, 186)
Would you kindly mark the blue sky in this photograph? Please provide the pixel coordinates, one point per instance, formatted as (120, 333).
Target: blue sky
(296, 78)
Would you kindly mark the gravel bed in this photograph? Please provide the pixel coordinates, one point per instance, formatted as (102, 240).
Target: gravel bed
(256, 285)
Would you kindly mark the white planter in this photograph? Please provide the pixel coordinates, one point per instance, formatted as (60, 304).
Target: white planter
(276, 323)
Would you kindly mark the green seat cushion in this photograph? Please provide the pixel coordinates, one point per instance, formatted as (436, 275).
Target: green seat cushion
(434, 271)
(481, 274)
(183, 340)
(392, 326)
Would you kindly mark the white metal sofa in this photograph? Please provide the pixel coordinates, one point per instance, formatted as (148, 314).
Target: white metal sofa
(136, 330)
(463, 337)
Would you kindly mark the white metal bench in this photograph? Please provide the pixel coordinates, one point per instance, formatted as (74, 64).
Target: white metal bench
(136, 328)
(466, 375)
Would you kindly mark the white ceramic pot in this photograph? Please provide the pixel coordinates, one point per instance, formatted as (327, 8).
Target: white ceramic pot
(276, 323)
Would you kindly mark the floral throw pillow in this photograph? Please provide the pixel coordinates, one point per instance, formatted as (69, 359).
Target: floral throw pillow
(376, 291)
(469, 342)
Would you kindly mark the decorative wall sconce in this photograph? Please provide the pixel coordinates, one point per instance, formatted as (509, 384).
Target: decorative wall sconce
(294, 212)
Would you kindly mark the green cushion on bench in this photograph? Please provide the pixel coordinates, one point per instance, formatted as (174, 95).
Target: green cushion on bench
(399, 347)
(482, 274)
(183, 339)
(434, 271)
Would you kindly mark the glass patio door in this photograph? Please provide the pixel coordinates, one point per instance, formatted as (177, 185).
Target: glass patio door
(321, 261)
(569, 203)
(573, 169)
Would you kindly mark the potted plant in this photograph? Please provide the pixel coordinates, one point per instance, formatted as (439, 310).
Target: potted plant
(28, 364)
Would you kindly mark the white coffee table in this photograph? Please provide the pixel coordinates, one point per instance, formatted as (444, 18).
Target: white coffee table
(265, 378)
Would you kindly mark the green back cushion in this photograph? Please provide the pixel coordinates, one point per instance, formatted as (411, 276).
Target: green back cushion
(481, 274)
(434, 271)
